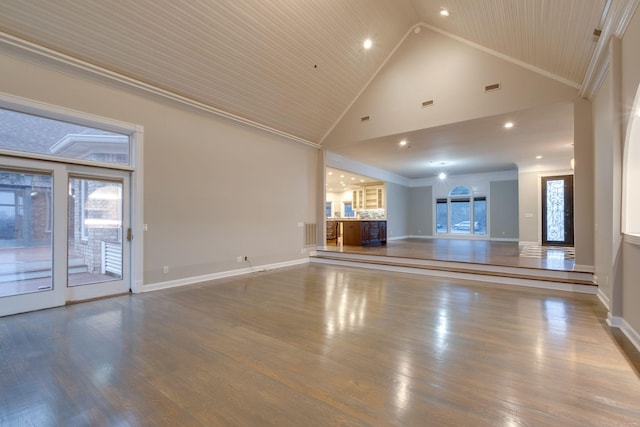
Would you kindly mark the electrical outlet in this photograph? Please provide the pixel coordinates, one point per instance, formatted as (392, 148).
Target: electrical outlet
(165, 269)
(239, 259)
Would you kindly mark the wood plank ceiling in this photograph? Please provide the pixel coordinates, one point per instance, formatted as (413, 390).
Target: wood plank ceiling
(294, 66)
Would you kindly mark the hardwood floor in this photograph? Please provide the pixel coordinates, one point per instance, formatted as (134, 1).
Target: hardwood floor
(319, 345)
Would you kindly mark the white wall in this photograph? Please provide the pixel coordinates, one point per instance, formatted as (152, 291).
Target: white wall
(338, 200)
(214, 189)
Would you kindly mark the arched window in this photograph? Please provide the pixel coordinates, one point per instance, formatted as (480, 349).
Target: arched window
(631, 172)
(461, 213)
(460, 190)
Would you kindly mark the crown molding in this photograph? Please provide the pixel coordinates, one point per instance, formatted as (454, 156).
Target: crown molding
(615, 23)
(46, 56)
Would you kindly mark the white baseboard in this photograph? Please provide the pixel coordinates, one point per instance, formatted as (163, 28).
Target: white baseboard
(627, 330)
(220, 275)
(419, 236)
(524, 243)
(397, 237)
(503, 239)
(604, 299)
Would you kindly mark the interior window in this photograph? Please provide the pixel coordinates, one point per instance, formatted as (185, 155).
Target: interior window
(348, 210)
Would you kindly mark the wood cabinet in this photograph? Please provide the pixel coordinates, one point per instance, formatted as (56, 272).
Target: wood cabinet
(365, 233)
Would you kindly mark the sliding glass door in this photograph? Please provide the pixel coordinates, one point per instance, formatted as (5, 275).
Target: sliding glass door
(63, 234)
(97, 233)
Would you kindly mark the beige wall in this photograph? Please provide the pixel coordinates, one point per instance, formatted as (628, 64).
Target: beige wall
(617, 262)
(603, 183)
(214, 189)
(429, 65)
(583, 181)
(630, 254)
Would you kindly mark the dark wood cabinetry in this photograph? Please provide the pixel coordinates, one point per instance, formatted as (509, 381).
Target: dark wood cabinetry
(365, 233)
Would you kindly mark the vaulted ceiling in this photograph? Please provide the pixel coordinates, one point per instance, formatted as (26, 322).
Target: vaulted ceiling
(297, 66)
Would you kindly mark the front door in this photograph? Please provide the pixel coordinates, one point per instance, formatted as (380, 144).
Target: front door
(63, 234)
(557, 210)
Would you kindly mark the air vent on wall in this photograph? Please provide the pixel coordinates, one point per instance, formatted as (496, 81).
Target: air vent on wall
(492, 87)
(365, 118)
(428, 103)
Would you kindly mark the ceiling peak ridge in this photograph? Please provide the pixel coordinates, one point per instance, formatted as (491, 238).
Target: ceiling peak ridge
(61, 59)
(614, 24)
(366, 85)
(507, 58)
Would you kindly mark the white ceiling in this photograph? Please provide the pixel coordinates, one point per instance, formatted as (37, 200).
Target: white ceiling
(337, 181)
(297, 66)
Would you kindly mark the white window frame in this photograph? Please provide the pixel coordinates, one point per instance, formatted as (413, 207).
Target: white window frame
(135, 167)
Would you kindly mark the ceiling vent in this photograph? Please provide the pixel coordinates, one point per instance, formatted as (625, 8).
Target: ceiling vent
(428, 103)
(492, 87)
(365, 118)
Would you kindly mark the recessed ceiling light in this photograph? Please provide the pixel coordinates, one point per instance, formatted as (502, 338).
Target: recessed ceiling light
(508, 125)
(442, 175)
(538, 157)
(444, 12)
(367, 44)
(330, 173)
(362, 180)
(403, 142)
(341, 176)
(352, 178)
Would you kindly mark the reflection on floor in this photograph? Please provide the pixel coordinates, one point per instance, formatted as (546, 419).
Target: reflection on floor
(554, 252)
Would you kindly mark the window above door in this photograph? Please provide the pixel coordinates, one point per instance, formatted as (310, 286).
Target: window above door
(38, 135)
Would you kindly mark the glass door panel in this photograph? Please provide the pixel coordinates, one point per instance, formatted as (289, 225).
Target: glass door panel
(26, 252)
(95, 231)
(97, 239)
(557, 210)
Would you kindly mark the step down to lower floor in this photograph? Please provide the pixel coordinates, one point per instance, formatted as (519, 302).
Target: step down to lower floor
(575, 281)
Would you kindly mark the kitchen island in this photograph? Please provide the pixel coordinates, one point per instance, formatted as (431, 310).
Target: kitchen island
(364, 232)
